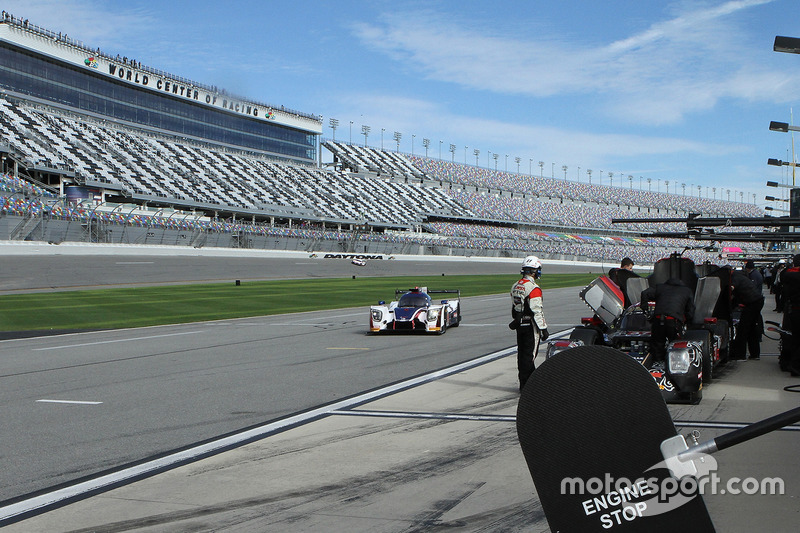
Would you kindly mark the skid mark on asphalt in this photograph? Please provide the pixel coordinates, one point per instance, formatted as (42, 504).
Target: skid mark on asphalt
(512, 418)
(45, 501)
(430, 416)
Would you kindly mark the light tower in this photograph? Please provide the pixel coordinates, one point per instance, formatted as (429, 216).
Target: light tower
(333, 123)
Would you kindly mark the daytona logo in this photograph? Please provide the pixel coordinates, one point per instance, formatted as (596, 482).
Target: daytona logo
(352, 256)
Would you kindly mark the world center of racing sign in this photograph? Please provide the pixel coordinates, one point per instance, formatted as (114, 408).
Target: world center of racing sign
(130, 71)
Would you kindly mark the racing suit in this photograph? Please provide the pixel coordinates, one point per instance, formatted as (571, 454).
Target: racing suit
(529, 322)
(750, 327)
(790, 293)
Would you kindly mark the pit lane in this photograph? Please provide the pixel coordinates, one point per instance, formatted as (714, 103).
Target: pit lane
(449, 458)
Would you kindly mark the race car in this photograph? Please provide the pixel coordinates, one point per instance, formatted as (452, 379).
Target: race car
(415, 310)
(358, 262)
(691, 360)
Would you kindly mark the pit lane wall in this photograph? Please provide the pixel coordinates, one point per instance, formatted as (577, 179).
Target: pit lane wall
(19, 229)
(84, 249)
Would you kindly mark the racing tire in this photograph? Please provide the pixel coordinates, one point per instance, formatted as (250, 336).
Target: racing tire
(724, 356)
(444, 327)
(587, 335)
(695, 397)
(704, 337)
(724, 331)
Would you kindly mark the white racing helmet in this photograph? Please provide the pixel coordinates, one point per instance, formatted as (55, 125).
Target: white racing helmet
(532, 266)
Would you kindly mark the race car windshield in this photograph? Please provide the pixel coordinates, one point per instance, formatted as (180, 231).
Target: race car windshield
(414, 300)
(635, 322)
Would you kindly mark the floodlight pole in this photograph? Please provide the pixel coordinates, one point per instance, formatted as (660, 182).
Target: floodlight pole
(778, 163)
(790, 45)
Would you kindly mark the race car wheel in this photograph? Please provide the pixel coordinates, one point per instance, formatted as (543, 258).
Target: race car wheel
(587, 335)
(695, 397)
(724, 351)
(444, 327)
(704, 338)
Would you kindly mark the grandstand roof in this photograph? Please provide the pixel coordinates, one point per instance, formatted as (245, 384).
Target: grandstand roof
(128, 70)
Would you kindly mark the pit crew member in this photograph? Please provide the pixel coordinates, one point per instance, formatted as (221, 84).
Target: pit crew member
(674, 308)
(528, 317)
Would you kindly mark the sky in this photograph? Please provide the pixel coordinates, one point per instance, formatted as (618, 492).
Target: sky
(676, 94)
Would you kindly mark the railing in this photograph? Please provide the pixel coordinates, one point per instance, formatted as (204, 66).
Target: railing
(24, 24)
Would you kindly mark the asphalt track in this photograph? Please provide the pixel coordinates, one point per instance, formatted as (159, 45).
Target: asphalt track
(41, 267)
(330, 447)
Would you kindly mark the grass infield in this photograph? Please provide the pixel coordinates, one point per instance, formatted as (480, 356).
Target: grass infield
(150, 306)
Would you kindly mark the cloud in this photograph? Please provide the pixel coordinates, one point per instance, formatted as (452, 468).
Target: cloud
(674, 67)
(90, 21)
(557, 144)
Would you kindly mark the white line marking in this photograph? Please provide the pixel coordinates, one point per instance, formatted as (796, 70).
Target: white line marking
(302, 324)
(116, 340)
(43, 501)
(70, 401)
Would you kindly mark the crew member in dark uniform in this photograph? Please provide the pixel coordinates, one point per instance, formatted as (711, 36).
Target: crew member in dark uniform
(620, 275)
(749, 329)
(674, 307)
(776, 284)
(790, 295)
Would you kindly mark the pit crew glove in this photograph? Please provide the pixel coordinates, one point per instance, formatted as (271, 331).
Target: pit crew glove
(543, 334)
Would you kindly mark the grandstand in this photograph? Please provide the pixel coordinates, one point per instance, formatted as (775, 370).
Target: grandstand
(104, 149)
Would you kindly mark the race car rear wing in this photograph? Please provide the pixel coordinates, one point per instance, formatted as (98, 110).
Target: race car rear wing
(457, 292)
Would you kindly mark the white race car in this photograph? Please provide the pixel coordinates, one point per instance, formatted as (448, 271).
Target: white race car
(358, 262)
(415, 311)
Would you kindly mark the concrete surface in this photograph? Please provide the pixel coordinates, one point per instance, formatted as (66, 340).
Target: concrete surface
(440, 456)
